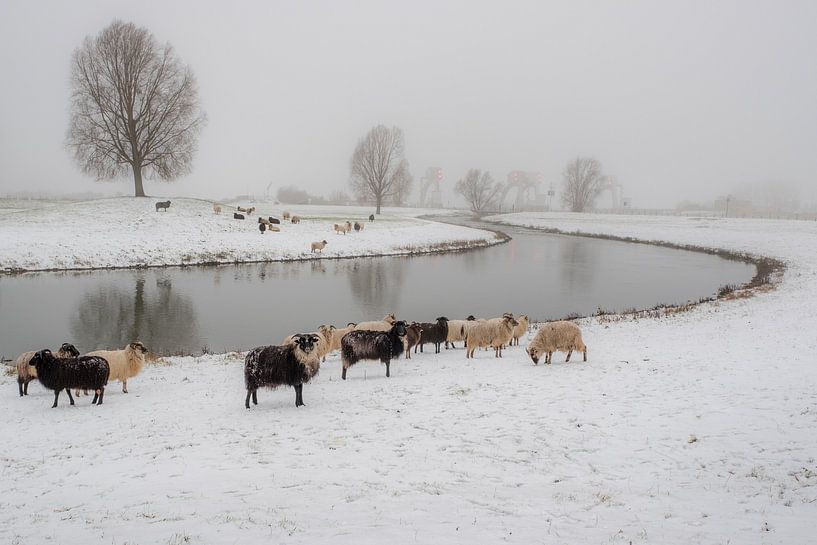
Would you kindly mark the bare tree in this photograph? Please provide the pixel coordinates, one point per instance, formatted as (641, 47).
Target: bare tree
(378, 166)
(134, 107)
(479, 190)
(582, 183)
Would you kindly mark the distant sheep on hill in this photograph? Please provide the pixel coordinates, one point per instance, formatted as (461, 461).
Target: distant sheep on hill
(556, 336)
(85, 372)
(292, 364)
(372, 345)
(26, 373)
(162, 205)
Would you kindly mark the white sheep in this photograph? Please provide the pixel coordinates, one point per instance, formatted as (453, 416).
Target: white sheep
(378, 325)
(216, 208)
(456, 331)
(337, 335)
(322, 340)
(521, 328)
(495, 333)
(319, 246)
(125, 363)
(556, 336)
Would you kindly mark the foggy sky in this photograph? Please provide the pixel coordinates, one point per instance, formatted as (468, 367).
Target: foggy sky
(680, 100)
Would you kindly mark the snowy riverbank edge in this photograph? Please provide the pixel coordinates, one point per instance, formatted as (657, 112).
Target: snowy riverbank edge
(694, 428)
(129, 233)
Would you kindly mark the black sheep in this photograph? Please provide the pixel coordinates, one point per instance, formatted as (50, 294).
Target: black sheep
(436, 333)
(290, 364)
(83, 372)
(362, 344)
(237, 216)
(274, 221)
(262, 228)
(162, 205)
(371, 217)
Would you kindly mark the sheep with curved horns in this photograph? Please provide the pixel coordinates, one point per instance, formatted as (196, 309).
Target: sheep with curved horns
(521, 328)
(322, 340)
(435, 333)
(125, 363)
(26, 373)
(378, 325)
(495, 334)
(372, 345)
(553, 337)
(291, 364)
(58, 374)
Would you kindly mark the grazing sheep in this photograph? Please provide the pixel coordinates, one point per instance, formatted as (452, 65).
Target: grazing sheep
(556, 336)
(125, 363)
(456, 331)
(340, 229)
(274, 229)
(85, 372)
(412, 337)
(358, 226)
(285, 215)
(435, 333)
(520, 329)
(378, 325)
(319, 246)
(371, 217)
(372, 345)
(495, 334)
(216, 208)
(337, 335)
(237, 216)
(295, 219)
(274, 221)
(26, 373)
(289, 365)
(163, 205)
(265, 221)
(262, 228)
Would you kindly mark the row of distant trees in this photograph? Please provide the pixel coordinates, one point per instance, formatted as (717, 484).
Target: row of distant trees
(135, 110)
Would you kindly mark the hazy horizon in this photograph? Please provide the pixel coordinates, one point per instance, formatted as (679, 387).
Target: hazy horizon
(679, 102)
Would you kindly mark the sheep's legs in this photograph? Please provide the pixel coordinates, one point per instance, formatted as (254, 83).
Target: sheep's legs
(387, 368)
(585, 355)
(299, 398)
(101, 395)
(96, 397)
(125, 386)
(569, 353)
(343, 375)
(56, 397)
(250, 393)
(20, 386)
(68, 391)
(25, 387)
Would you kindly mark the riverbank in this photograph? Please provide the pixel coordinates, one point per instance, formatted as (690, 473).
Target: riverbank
(126, 232)
(694, 428)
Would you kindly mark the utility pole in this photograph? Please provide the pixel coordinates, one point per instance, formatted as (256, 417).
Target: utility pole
(728, 197)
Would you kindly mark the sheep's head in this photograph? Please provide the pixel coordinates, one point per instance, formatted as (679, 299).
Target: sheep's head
(510, 320)
(390, 318)
(534, 354)
(39, 357)
(69, 350)
(324, 242)
(442, 319)
(305, 342)
(399, 327)
(138, 347)
(470, 318)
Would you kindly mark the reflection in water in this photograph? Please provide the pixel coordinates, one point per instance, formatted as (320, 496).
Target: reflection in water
(577, 263)
(110, 316)
(377, 283)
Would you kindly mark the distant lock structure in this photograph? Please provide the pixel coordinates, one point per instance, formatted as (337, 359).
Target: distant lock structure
(430, 190)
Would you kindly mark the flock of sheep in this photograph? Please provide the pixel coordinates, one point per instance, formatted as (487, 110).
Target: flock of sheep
(298, 358)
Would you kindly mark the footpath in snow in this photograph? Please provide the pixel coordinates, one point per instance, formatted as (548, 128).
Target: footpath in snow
(129, 232)
(695, 428)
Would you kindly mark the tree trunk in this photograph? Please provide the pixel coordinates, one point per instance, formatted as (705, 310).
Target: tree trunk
(137, 181)
(379, 200)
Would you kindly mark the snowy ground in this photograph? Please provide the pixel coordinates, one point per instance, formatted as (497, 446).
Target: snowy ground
(124, 232)
(696, 428)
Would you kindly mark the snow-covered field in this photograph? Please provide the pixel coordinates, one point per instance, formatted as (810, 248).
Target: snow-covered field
(696, 428)
(127, 232)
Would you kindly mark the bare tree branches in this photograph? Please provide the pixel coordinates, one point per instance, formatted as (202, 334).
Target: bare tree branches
(582, 183)
(134, 107)
(378, 168)
(479, 190)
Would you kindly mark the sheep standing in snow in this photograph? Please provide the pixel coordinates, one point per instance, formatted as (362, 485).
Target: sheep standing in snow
(371, 217)
(378, 325)
(286, 215)
(348, 227)
(85, 372)
(456, 331)
(26, 373)
(413, 332)
(337, 335)
(292, 364)
(372, 345)
(358, 226)
(520, 329)
(319, 246)
(295, 219)
(339, 229)
(435, 333)
(216, 209)
(495, 334)
(125, 363)
(162, 205)
(321, 340)
(556, 337)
